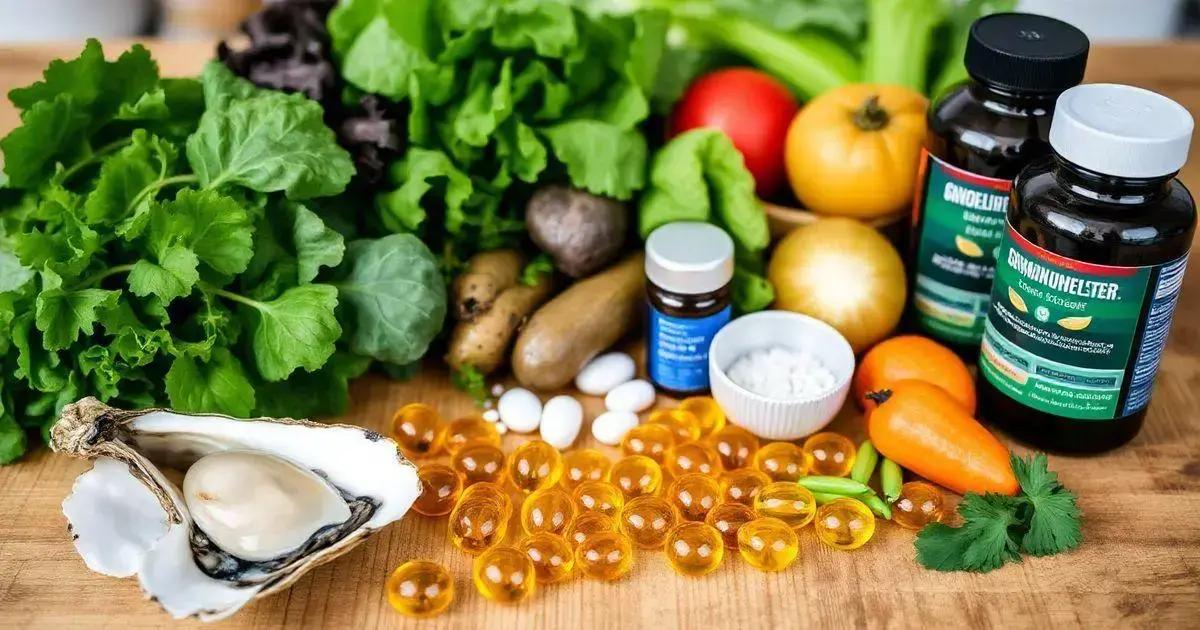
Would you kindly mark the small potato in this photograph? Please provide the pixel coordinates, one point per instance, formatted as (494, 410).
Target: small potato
(488, 274)
(582, 232)
(483, 342)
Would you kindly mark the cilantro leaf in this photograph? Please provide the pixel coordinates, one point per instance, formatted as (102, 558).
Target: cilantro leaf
(316, 245)
(1054, 525)
(63, 314)
(983, 543)
(125, 175)
(296, 330)
(48, 129)
(218, 385)
(173, 276)
(216, 227)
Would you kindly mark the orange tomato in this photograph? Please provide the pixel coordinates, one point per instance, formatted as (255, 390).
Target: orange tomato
(913, 357)
(922, 428)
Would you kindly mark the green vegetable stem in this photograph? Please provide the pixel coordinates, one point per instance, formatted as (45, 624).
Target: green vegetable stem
(864, 462)
(891, 479)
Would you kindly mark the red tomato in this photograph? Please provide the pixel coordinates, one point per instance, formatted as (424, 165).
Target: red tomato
(752, 108)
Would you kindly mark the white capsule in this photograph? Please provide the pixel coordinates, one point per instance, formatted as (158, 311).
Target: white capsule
(605, 372)
(497, 390)
(562, 417)
(520, 409)
(610, 427)
(632, 396)
(501, 428)
(491, 415)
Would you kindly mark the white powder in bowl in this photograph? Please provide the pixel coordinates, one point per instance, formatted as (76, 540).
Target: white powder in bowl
(782, 374)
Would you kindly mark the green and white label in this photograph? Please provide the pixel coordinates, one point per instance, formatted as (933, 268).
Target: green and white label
(962, 220)
(1076, 339)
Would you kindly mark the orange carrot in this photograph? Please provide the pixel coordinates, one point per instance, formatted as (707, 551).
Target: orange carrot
(924, 429)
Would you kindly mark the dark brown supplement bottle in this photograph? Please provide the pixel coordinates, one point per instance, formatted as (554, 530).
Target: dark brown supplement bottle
(689, 266)
(1089, 272)
(980, 135)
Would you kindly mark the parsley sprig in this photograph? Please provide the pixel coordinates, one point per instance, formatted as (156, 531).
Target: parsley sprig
(1043, 520)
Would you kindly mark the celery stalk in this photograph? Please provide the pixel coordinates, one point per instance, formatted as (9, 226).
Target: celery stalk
(900, 40)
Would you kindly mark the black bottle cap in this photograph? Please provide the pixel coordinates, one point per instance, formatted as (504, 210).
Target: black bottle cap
(1026, 53)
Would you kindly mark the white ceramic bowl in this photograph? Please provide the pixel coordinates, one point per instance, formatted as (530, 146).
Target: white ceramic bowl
(770, 418)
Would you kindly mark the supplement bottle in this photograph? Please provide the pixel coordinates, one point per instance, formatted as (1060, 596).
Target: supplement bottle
(1089, 272)
(980, 135)
(689, 266)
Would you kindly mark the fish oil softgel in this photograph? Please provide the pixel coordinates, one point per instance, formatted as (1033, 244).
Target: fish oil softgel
(694, 495)
(534, 465)
(694, 549)
(781, 461)
(919, 504)
(636, 475)
(549, 510)
(586, 525)
(504, 574)
(420, 589)
(440, 490)
(646, 520)
(789, 502)
(693, 457)
(710, 418)
(584, 464)
(768, 544)
(478, 524)
(478, 462)
(735, 445)
(652, 439)
(830, 454)
(727, 518)
(844, 524)
(468, 430)
(418, 430)
(488, 492)
(599, 496)
(605, 555)
(552, 556)
(742, 485)
(683, 424)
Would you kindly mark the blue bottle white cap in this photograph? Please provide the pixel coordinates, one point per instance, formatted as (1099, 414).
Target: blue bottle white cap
(1121, 130)
(689, 257)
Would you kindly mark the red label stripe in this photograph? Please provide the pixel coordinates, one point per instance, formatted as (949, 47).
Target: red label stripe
(1062, 262)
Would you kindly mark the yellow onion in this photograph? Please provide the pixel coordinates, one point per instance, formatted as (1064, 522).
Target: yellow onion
(843, 273)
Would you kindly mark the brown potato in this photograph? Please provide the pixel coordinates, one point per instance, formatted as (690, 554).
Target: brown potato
(487, 275)
(583, 321)
(483, 342)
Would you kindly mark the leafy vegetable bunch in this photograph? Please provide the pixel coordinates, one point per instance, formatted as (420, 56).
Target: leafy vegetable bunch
(157, 248)
(502, 96)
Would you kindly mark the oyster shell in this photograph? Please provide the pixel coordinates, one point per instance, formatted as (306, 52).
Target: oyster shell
(129, 516)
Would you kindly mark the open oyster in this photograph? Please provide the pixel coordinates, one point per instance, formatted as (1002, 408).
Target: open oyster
(210, 512)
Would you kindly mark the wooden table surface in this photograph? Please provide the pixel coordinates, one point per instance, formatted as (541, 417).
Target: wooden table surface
(1139, 564)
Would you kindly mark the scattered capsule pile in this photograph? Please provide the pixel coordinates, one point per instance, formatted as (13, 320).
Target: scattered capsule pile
(687, 484)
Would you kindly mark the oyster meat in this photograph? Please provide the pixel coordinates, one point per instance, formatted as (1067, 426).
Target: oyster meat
(210, 512)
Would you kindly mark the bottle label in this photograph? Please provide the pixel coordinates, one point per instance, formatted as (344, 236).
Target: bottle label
(677, 348)
(963, 221)
(1076, 339)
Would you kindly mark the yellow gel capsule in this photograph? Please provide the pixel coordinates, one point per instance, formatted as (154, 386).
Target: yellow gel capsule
(694, 494)
(477, 525)
(552, 556)
(830, 454)
(742, 485)
(599, 496)
(420, 589)
(584, 464)
(490, 492)
(636, 475)
(605, 555)
(683, 424)
(693, 457)
(768, 544)
(789, 502)
(440, 490)
(418, 430)
(919, 504)
(549, 510)
(710, 418)
(844, 524)
(735, 445)
(479, 462)
(781, 461)
(586, 525)
(694, 549)
(652, 439)
(727, 519)
(646, 520)
(504, 574)
(468, 430)
(534, 465)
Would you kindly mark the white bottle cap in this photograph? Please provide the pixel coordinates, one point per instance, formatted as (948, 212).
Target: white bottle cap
(1121, 130)
(689, 257)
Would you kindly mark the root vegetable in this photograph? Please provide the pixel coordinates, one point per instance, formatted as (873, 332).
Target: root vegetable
(582, 232)
(580, 323)
(483, 341)
(488, 275)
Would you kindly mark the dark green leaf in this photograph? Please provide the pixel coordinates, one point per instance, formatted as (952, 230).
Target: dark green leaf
(296, 330)
(63, 314)
(600, 157)
(172, 276)
(219, 385)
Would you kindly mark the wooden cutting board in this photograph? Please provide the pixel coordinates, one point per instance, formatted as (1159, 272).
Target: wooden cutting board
(1139, 565)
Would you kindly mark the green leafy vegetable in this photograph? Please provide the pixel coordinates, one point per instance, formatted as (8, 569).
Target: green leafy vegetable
(1043, 520)
(700, 176)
